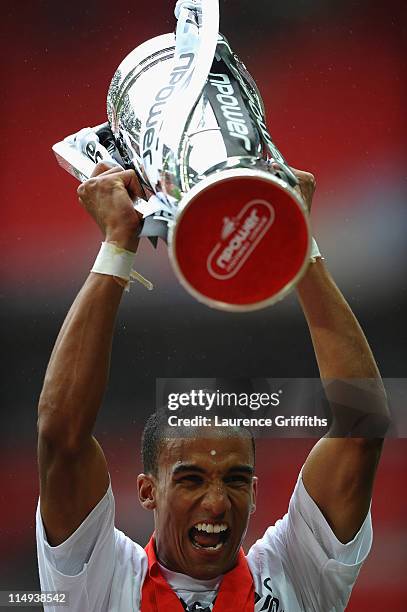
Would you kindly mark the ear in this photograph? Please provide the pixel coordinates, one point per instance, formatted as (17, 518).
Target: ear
(255, 484)
(146, 491)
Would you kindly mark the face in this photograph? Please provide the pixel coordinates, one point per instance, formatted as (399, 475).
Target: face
(202, 498)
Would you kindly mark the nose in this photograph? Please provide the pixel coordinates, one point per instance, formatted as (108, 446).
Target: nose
(216, 501)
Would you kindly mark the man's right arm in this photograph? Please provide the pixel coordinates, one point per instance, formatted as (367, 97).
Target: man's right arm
(73, 469)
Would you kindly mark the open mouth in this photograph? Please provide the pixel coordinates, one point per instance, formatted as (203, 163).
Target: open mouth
(209, 536)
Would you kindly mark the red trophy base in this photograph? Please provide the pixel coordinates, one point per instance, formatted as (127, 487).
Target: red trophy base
(241, 240)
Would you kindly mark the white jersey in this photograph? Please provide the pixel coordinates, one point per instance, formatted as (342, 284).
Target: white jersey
(297, 566)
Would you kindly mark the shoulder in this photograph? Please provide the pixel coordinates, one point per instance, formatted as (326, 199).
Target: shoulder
(128, 551)
(302, 560)
(97, 563)
(304, 528)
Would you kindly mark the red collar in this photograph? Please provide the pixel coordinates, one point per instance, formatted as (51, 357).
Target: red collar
(236, 592)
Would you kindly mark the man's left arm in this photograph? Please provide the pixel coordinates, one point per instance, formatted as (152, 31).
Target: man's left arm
(339, 472)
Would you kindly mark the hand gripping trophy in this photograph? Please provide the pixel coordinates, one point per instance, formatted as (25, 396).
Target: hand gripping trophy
(186, 115)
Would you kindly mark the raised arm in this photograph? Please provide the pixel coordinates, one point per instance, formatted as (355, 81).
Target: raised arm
(339, 472)
(72, 467)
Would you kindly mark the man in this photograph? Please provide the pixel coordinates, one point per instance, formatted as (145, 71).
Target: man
(201, 488)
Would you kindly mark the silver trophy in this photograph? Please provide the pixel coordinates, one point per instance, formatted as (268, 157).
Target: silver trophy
(185, 114)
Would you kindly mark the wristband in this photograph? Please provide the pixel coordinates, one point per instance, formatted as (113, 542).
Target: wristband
(117, 262)
(315, 252)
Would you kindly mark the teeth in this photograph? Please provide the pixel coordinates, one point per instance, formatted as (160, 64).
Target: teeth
(210, 528)
(217, 547)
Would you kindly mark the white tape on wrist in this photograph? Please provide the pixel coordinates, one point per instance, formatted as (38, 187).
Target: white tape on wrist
(114, 261)
(118, 262)
(315, 252)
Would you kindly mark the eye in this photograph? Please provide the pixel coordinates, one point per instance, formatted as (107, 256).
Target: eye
(191, 479)
(238, 480)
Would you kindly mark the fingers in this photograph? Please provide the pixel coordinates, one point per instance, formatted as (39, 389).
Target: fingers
(106, 167)
(306, 178)
(132, 183)
(276, 166)
(108, 198)
(128, 177)
(306, 187)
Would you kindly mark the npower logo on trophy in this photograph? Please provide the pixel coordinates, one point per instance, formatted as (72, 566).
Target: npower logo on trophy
(239, 238)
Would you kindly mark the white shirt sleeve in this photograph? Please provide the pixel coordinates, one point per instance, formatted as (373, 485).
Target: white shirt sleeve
(314, 563)
(83, 565)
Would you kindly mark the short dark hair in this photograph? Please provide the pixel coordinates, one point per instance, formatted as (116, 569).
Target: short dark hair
(157, 428)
